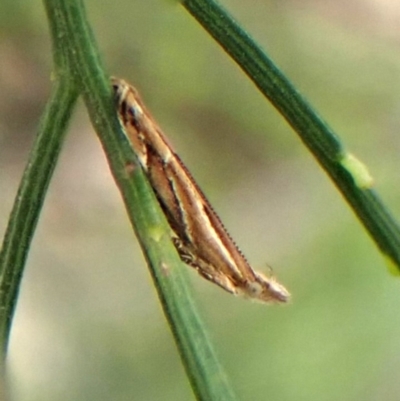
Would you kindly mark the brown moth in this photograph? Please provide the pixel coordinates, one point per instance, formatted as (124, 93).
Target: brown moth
(199, 236)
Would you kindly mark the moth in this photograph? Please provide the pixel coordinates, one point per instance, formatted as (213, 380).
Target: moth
(198, 234)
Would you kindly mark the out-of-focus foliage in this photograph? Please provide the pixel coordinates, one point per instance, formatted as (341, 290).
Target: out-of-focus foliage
(339, 337)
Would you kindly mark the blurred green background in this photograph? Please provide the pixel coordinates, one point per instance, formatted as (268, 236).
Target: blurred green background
(88, 323)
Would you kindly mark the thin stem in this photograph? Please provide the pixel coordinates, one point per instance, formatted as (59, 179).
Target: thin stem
(314, 132)
(204, 371)
(30, 198)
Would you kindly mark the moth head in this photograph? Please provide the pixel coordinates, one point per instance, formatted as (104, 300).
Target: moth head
(267, 289)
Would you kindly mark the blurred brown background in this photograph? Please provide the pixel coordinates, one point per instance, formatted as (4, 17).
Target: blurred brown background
(88, 323)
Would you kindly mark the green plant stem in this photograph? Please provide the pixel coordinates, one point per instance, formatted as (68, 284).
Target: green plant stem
(29, 200)
(313, 131)
(67, 19)
(32, 190)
